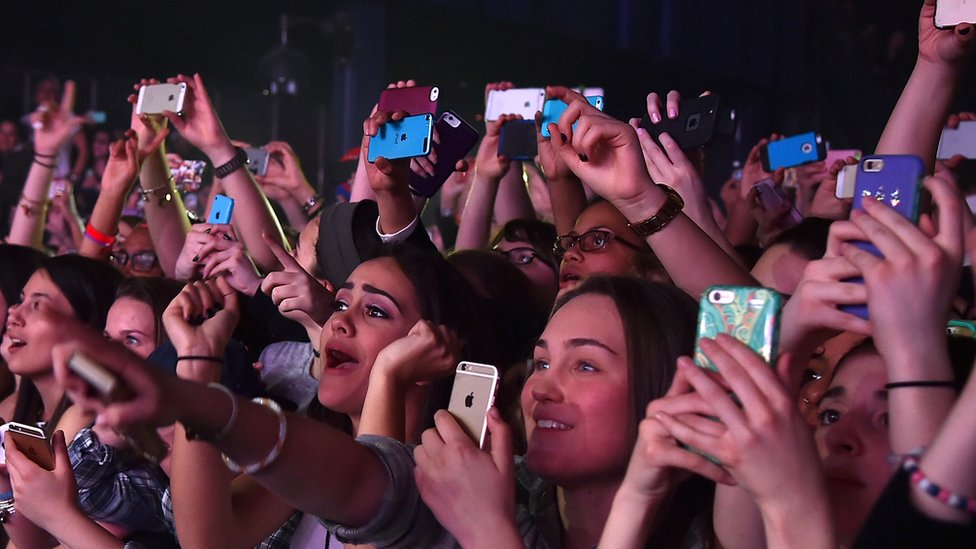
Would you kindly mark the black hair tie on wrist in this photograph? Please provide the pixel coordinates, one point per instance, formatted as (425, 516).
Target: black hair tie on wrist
(920, 383)
(217, 359)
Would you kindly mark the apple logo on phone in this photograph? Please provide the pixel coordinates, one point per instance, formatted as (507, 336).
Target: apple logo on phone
(469, 400)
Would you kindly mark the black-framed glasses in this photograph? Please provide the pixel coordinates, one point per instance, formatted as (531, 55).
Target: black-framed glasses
(522, 255)
(143, 261)
(590, 241)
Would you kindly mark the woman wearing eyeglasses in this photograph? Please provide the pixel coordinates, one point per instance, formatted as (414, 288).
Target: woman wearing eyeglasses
(527, 244)
(135, 255)
(601, 243)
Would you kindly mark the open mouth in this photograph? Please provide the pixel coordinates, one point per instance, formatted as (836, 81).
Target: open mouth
(338, 360)
(552, 424)
(569, 279)
(15, 342)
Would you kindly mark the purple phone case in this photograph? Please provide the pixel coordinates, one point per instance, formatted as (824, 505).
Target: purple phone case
(455, 144)
(898, 184)
(771, 197)
(416, 100)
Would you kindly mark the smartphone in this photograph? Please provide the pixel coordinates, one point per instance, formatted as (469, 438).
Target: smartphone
(793, 151)
(156, 98)
(959, 141)
(143, 439)
(748, 314)
(949, 13)
(772, 197)
(257, 160)
(961, 328)
(833, 155)
(33, 443)
(846, 182)
(457, 139)
(695, 125)
(407, 138)
(415, 100)
(221, 210)
(97, 117)
(518, 140)
(472, 396)
(552, 109)
(895, 180)
(523, 101)
(188, 176)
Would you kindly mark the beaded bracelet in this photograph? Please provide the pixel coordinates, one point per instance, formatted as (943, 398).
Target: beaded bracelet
(952, 499)
(275, 451)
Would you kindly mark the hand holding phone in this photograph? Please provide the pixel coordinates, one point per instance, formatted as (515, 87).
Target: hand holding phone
(695, 124)
(793, 151)
(552, 109)
(408, 137)
(157, 98)
(457, 138)
(33, 443)
(472, 396)
(110, 388)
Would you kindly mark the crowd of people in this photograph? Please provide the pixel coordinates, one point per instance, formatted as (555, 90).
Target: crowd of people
(296, 364)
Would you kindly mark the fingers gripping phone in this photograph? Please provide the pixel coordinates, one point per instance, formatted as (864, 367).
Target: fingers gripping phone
(156, 98)
(793, 151)
(221, 210)
(523, 101)
(554, 108)
(895, 180)
(949, 13)
(960, 141)
(406, 138)
(518, 140)
(33, 443)
(457, 139)
(695, 125)
(772, 197)
(143, 439)
(415, 100)
(748, 314)
(472, 396)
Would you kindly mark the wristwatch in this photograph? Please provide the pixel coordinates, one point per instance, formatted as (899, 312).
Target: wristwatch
(232, 165)
(665, 215)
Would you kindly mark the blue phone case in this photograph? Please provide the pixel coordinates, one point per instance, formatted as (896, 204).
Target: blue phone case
(407, 138)
(554, 108)
(793, 151)
(222, 210)
(898, 183)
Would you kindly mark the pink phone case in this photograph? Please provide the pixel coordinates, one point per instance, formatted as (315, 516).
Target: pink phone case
(415, 100)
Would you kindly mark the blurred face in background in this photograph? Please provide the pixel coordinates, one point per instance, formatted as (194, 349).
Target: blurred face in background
(8, 136)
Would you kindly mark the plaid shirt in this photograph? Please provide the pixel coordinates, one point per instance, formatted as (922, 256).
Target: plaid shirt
(115, 487)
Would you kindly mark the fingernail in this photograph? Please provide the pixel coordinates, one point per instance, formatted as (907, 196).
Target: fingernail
(641, 131)
(672, 112)
(655, 117)
(494, 412)
(584, 158)
(226, 236)
(564, 138)
(195, 258)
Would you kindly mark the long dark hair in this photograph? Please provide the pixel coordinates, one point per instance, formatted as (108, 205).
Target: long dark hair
(89, 286)
(155, 291)
(659, 326)
(17, 264)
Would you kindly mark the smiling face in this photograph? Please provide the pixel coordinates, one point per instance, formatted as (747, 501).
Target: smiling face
(576, 402)
(616, 258)
(853, 441)
(27, 343)
(132, 323)
(376, 306)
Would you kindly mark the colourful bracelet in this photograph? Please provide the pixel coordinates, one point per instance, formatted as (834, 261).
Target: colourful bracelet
(952, 499)
(98, 237)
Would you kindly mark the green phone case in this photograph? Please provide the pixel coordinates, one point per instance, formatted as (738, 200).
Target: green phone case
(750, 315)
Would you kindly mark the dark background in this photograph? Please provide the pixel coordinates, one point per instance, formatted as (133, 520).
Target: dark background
(835, 66)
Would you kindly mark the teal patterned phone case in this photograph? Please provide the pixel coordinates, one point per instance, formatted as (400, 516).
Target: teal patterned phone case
(750, 315)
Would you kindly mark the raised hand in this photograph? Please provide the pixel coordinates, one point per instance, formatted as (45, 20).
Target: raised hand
(201, 319)
(458, 481)
(489, 164)
(753, 171)
(426, 353)
(148, 127)
(825, 203)
(56, 124)
(285, 173)
(384, 174)
(937, 46)
(199, 123)
(202, 240)
(234, 265)
(298, 295)
(122, 167)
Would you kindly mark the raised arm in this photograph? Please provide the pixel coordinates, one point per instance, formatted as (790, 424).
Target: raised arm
(291, 188)
(475, 227)
(605, 153)
(253, 214)
(916, 123)
(54, 126)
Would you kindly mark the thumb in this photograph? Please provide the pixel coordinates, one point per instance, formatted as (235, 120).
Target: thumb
(501, 442)
(61, 461)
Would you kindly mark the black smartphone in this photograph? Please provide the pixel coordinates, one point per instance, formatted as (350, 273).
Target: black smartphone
(518, 140)
(457, 138)
(696, 125)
